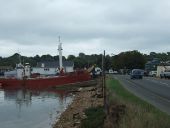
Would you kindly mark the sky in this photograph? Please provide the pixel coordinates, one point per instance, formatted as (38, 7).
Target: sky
(32, 27)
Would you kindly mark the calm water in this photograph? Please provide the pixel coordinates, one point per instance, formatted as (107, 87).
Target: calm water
(31, 109)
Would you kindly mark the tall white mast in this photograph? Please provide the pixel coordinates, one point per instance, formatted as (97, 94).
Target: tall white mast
(19, 57)
(60, 54)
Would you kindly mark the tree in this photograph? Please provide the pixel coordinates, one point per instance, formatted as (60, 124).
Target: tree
(129, 60)
(108, 62)
(81, 55)
(47, 58)
(71, 57)
(80, 63)
(56, 58)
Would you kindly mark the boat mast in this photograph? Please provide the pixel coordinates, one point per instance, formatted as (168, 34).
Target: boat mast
(19, 57)
(60, 54)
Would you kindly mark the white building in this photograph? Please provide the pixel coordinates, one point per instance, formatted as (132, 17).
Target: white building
(161, 69)
(52, 68)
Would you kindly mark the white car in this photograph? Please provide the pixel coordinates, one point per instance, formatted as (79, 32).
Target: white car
(98, 71)
(152, 73)
(110, 71)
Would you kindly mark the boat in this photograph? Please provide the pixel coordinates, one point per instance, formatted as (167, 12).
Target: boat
(45, 82)
(23, 77)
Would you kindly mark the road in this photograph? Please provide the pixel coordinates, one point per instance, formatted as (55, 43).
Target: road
(153, 90)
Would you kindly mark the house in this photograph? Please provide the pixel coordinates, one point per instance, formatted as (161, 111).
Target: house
(152, 65)
(161, 69)
(52, 68)
(5, 69)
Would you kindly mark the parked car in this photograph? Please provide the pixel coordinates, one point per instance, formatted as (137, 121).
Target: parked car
(98, 71)
(110, 71)
(152, 73)
(165, 74)
(136, 74)
(115, 72)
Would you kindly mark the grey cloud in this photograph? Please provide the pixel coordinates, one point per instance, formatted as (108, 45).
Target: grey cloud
(114, 25)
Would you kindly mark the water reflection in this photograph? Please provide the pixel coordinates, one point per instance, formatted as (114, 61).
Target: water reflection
(30, 108)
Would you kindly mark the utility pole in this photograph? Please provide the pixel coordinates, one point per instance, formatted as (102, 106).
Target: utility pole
(104, 83)
(103, 76)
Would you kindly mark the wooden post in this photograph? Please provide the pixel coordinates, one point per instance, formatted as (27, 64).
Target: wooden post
(104, 83)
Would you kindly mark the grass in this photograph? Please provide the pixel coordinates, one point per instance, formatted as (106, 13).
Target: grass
(139, 114)
(95, 118)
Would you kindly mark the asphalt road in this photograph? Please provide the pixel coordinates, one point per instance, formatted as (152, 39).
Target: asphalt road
(153, 90)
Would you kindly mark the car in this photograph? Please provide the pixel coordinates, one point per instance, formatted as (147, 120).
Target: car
(136, 74)
(115, 72)
(98, 71)
(110, 71)
(152, 73)
(165, 74)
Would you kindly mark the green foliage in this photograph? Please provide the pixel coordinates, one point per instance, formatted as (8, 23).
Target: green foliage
(47, 57)
(160, 56)
(129, 60)
(108, 62)
(86, 60)
(81, 55)
(95, 118)
(80, 62)
(71, 57)
(115, 86)
(10, 61)
(14, 59)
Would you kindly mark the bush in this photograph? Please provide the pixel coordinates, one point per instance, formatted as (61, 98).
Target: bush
(95, 118)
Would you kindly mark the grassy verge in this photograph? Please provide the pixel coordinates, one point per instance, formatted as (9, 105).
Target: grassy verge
(95, 118)
(138, 113)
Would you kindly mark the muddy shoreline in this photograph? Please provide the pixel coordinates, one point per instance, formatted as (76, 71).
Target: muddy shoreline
(85, 97)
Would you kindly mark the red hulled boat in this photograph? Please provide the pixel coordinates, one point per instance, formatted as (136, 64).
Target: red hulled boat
(23, 77)
(45, 82)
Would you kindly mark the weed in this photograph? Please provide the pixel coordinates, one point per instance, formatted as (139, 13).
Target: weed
(139, 113)
(95, 118)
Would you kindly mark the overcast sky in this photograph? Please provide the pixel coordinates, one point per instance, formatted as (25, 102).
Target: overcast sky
(32, 27)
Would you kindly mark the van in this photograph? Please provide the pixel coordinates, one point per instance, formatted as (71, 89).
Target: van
(136, 74)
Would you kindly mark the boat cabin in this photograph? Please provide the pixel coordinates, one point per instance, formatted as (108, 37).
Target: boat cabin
(52, 68)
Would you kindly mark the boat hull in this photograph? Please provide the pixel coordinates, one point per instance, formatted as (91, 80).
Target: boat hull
(47, 82)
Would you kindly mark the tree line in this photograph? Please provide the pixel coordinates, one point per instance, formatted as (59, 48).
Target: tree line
(123, 60)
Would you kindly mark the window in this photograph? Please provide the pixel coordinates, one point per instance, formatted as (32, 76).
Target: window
(46, 69)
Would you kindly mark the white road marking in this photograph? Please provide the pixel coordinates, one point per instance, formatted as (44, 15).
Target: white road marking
(159, 82)
(165, 84)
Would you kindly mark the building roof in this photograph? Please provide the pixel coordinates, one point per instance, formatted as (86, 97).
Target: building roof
(54, 64)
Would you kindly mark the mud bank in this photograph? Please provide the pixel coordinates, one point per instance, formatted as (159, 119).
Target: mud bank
(86, 97)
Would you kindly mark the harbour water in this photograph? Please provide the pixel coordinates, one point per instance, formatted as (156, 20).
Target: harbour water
(31, 109)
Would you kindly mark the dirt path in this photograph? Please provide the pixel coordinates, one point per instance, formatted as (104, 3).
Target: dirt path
(85, 98)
